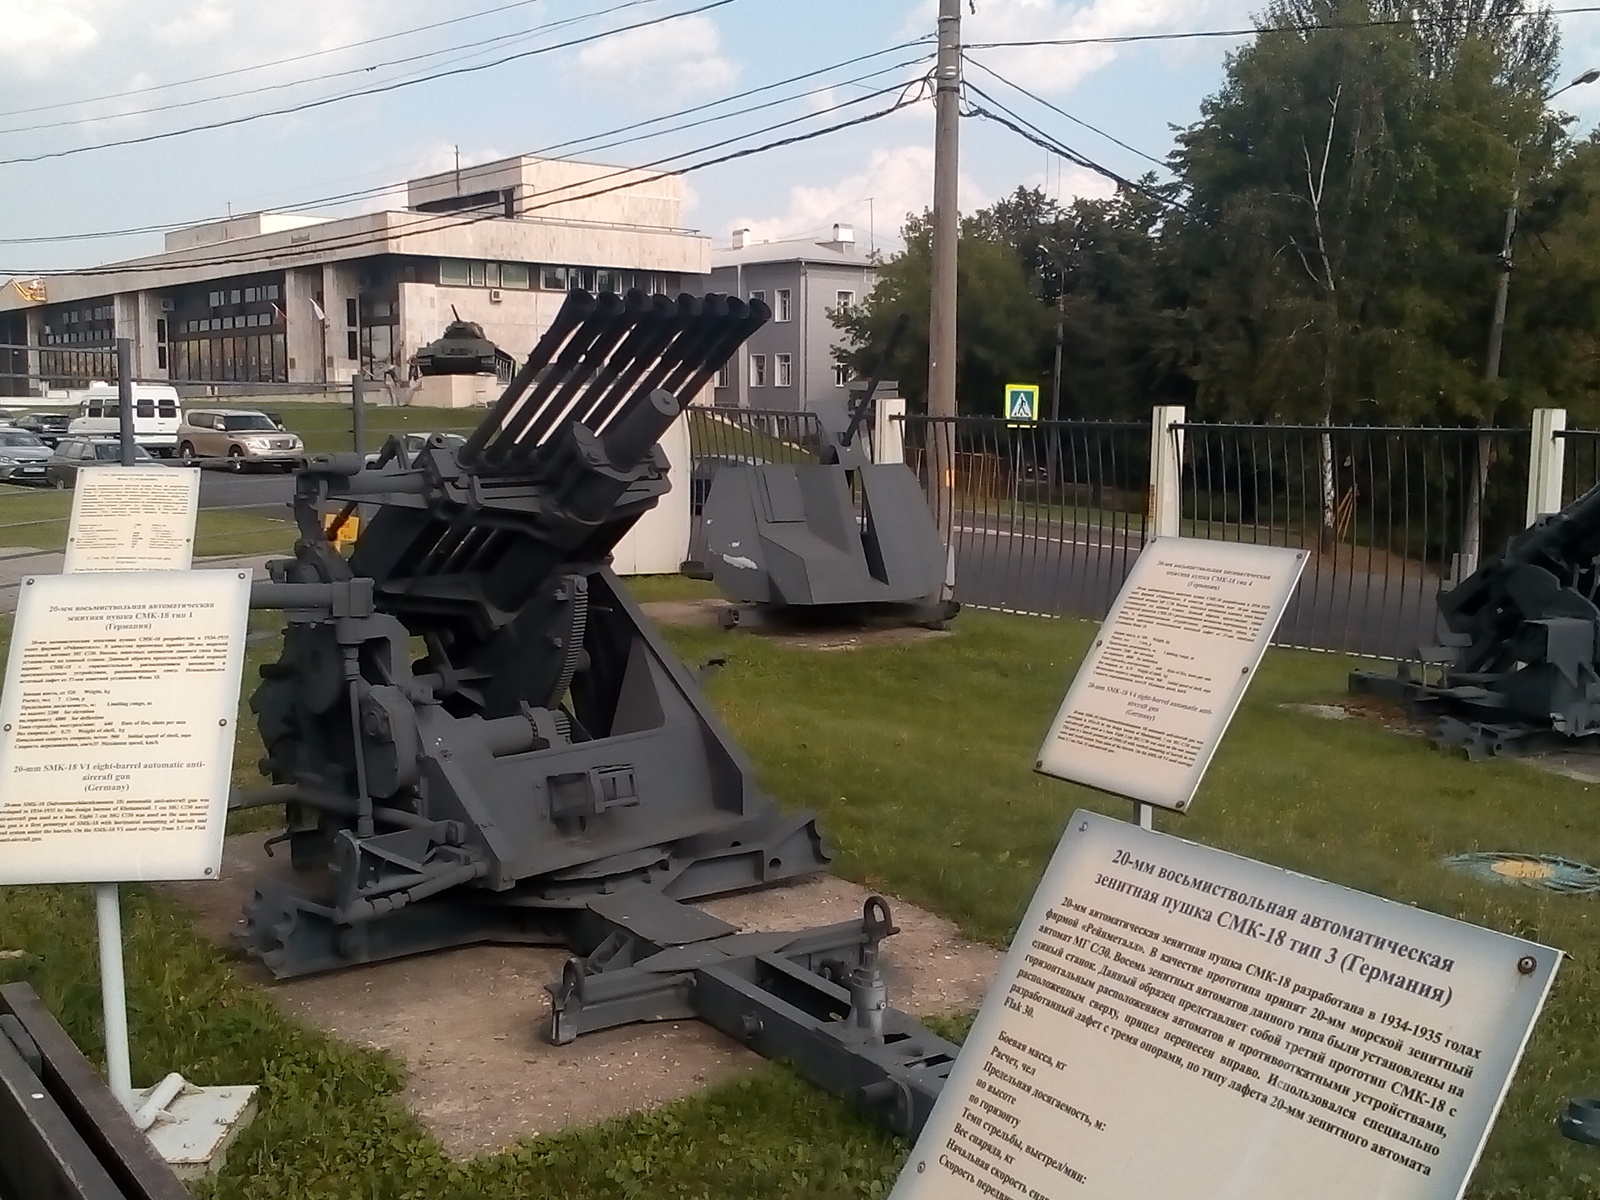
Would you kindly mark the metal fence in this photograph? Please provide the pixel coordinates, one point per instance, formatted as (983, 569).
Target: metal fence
(1388, 516)
(1047, 518)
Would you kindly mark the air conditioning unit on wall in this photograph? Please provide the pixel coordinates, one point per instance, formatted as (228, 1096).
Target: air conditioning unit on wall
(495, 296)
(168, 304)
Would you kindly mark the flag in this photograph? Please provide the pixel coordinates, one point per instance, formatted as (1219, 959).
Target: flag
(277, 315)
(316, 311)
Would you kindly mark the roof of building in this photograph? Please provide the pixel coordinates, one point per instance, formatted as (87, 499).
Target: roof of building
(845, 254)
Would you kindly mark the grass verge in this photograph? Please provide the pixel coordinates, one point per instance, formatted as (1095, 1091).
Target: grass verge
(917, 756)
(32, 517)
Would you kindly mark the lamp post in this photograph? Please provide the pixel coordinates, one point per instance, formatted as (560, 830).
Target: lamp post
(1472, 534)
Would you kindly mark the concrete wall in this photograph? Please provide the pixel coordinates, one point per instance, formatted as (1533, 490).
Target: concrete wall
(659, 543)
(340, 282)
(551, 189)
(305, 335)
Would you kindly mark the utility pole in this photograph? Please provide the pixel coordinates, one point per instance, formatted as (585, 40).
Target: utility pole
(946, 231)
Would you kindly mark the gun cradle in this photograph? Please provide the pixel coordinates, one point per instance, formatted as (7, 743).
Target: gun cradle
(476, 735)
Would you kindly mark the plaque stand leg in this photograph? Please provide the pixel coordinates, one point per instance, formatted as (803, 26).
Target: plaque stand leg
(113, 991)
(191, 1127)
(1146, 815)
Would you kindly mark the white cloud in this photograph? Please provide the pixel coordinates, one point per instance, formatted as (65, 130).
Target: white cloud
(1059, 69)
(685, 54)
(36, 34)
(896, 181)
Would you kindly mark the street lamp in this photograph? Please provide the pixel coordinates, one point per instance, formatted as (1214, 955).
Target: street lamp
(1491, 367)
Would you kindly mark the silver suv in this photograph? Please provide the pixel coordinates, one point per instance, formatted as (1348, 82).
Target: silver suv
(238, 437)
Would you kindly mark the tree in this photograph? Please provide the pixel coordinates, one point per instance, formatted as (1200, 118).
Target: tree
(1004, 330)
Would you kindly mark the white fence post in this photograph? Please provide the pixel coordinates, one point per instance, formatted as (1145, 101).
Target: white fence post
(1546, 461)
(1166, 468)
(888, 434)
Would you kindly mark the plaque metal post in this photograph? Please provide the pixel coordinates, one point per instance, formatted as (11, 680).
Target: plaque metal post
(113, 992)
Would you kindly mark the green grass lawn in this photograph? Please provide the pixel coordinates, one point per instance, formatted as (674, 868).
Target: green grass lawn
(917, 756)
(326, 427)
(39, 518)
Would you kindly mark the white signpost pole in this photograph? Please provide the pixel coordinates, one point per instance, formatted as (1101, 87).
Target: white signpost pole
(116, 740)
(113, 992)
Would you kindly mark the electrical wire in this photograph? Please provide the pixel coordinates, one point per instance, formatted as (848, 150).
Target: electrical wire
(372, 91)
(277, 62)
(1253, 31)
(1064, 113)
(456, 220)
(460, 53)
(546, 151)
(1028, 131)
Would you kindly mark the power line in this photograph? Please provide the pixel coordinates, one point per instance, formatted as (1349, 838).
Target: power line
(461, 51)
(277, 62)
(379, 189)
(1253, 31)
(372, 91)
(1032, 133)
(457, 221)
(1064, 113)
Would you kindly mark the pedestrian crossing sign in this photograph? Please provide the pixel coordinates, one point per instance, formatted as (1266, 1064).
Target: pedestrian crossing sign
(1022, 403)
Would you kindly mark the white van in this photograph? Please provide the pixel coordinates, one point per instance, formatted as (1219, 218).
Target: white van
(155, 415)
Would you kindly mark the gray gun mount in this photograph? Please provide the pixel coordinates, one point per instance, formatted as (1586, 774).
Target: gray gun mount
(476, 735)
(841, 537)
(1518, 664)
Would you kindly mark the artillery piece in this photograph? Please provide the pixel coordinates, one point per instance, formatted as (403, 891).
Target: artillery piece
(477, 736)
(845, 535)
(1518, 664)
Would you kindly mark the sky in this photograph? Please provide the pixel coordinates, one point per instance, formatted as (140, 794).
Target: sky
(77, 74)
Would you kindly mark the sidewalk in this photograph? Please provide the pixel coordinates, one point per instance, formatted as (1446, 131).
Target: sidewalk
(18, 562)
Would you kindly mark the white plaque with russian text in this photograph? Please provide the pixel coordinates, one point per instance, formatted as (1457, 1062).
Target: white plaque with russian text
(1169, 667)
(1172, 1020)
(132, 519)
(117, 725)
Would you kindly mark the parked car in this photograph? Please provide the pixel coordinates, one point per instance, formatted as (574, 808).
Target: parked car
(705, 470)
(155, 415)
(22, 457)
(414, 442)
(50, 428)
(74, 453)
(238, 437)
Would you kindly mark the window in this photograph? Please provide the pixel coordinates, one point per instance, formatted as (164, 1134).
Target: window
(270, 292)
(580, 277)
(757, 295)
(553, 279)
(214, 300)
(250, 295)
(722, 376)
(605, 281)
(758, 370)
(781, 306)
(352, 313)
(352, 344)
(846, 299)
(514, 275)
(236, 296)
(491, 274)
(453, 272)
(782, 368)
(475, 274)
(841, 375)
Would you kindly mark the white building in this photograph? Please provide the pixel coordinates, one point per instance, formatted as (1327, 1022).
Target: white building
(273, 298)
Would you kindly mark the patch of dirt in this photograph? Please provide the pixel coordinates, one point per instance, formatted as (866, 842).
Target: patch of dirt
(1366, 708)
(470, 1024)
(812, 633)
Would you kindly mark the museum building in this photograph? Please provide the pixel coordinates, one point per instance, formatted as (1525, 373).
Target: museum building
(285, 298)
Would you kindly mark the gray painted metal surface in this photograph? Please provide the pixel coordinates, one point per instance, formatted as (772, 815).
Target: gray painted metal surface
(546, 771)
(1517, 667)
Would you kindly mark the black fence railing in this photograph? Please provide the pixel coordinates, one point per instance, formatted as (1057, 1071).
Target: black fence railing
(1388, 516)
(1046, 518)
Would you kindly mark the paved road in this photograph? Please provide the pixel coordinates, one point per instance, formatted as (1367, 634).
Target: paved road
(1077, 570)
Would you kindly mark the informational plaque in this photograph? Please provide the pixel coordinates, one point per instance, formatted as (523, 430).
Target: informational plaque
(1169, 667)
(117, 725)
(1175, 1021)
(132, 519)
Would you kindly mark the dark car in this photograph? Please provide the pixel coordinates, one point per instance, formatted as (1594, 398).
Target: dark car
(49, 428)
(61, 471)
(705, 470)
(22, 456)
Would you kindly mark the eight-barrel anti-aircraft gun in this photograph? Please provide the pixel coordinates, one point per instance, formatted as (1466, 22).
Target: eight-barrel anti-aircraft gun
(476, 735)
(1518, 664)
